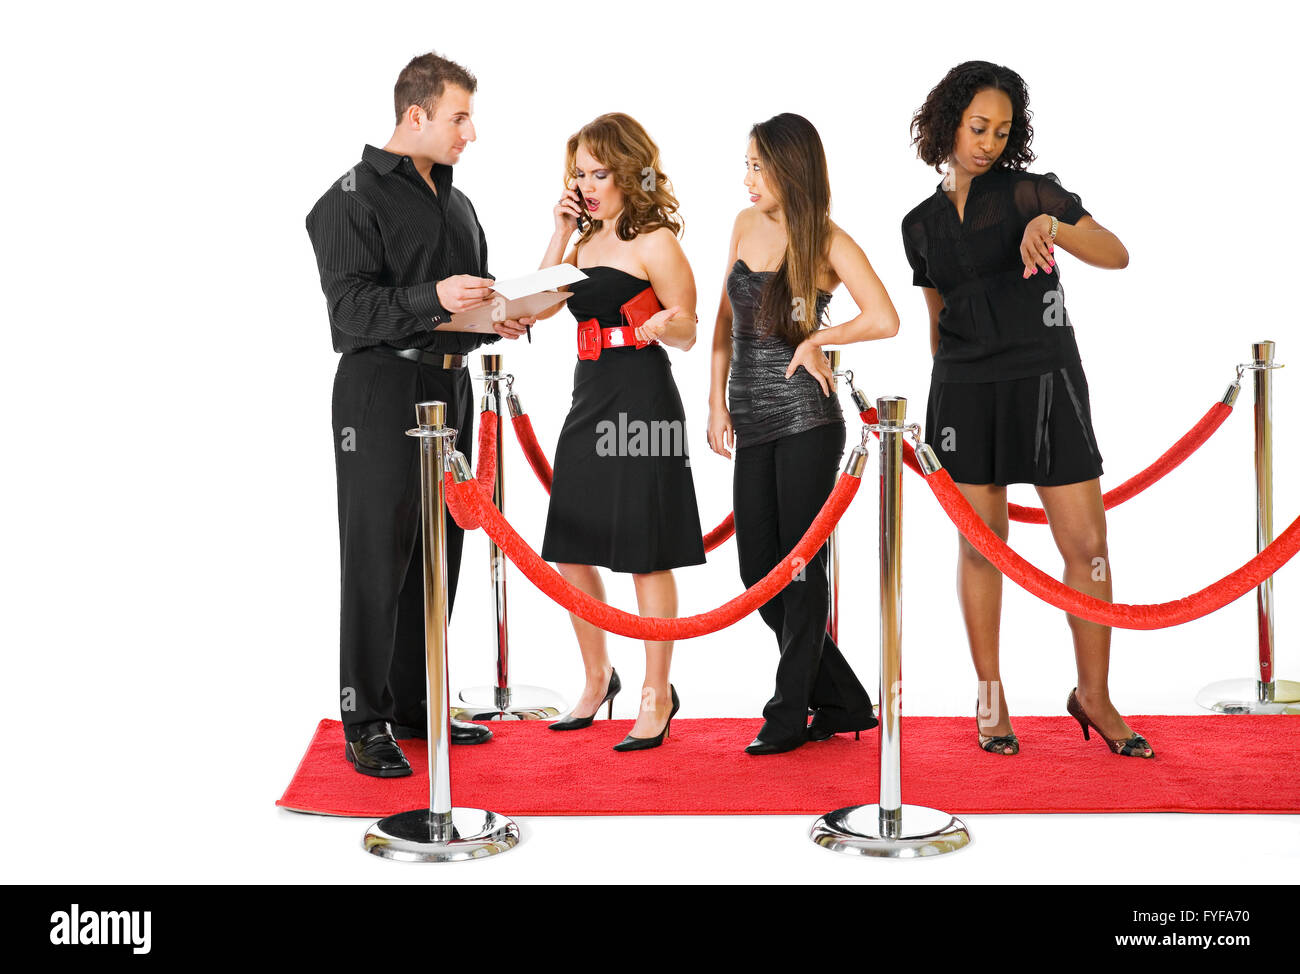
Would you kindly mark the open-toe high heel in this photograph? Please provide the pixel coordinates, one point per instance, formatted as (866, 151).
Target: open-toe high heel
(1135, 746)
(1004, 744)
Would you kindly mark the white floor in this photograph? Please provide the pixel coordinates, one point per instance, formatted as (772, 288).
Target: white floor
(273, 845)
(205, 814)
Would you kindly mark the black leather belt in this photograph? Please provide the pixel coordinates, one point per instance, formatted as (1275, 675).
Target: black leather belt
(435, 359)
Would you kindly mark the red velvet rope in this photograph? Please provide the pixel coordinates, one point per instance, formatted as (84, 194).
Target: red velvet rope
(1157, 616)
(486, 472)
(471, 506)
(1189, 443)
(527, 438)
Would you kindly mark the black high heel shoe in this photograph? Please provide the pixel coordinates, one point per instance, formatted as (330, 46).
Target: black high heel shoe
(578, 723)
(1131, 747)
(631, 743)
(1007, 745)
(827, 722)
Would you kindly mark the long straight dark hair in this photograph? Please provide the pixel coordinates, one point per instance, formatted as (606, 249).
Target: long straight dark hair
(794, 168)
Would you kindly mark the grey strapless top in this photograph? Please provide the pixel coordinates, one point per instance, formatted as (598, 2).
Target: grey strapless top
(764, 404)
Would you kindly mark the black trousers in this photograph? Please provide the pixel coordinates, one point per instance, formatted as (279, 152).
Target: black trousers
(381, 624)
(779, 488)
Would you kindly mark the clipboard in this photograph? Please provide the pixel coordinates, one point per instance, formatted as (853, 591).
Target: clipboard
(518, 297)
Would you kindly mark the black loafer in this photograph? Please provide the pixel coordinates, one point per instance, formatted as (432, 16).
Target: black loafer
(462, 732)
(375, 752)
(760, 746)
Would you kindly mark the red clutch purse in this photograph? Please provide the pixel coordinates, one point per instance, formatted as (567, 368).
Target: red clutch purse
(636, 311)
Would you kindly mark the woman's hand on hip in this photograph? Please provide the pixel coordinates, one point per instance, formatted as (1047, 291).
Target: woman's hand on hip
(815, 364)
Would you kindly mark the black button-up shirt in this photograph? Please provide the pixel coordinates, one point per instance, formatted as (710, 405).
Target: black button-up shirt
(995, 323)
(383, 241)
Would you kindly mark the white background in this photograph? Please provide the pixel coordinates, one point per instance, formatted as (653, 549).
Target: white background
(171, 536)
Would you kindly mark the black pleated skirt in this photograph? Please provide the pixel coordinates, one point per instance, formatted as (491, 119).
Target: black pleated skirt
(1034, 430)
(623, 496)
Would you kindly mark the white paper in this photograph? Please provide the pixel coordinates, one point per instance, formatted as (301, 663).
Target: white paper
(546, 279)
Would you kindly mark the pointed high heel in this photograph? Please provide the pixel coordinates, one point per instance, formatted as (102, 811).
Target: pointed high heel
(827, 722)
(999, 744)
(1131, 747)
(578, 723)
(631, 743)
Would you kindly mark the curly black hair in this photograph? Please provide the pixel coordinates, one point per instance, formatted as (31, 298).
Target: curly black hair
(934, 126)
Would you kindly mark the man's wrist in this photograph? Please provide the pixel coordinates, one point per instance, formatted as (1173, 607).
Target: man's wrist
(424, 301)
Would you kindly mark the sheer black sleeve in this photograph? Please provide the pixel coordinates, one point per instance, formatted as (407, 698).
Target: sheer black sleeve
(1055, 200)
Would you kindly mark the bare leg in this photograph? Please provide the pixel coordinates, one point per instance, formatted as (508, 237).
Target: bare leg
(1077, 517)
(979, 592)
(656, 595)
(591, 640)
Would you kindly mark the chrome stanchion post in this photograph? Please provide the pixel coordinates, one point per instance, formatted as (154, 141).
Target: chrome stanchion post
(1266, 694)
(890, 829)
(441, 832)
(502, 701)
(860, 405)
(833, 542)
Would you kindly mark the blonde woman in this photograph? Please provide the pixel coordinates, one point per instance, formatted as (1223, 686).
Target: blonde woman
(623, 496)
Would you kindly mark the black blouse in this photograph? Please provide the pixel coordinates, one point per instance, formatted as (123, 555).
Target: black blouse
(995, 323)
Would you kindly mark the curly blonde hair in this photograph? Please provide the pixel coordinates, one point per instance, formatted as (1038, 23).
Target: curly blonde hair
(625, 148)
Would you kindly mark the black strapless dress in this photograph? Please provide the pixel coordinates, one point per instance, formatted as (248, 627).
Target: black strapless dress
(623, 497)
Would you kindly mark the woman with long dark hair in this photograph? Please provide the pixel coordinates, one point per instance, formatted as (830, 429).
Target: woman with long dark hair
(780, 415)
(1008, 398)
(622, 495)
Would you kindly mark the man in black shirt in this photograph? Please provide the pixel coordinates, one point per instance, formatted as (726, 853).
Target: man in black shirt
(399, 251)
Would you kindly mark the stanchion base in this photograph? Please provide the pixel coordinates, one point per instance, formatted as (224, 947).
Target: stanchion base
(856, 831)
(1242, 697)
(409, 837)
(522, 703)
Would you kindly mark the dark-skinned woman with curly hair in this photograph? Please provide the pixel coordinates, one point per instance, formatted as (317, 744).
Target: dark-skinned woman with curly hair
(1008, 399)
(622, 495)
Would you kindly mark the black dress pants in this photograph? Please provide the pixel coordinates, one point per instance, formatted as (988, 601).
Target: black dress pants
(779, 488)
(381, 625)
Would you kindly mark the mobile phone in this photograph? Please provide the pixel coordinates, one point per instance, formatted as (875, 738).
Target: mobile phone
(583, 219)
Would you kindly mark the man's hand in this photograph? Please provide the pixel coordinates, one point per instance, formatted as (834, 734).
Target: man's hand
(464, 292)
(512, 327)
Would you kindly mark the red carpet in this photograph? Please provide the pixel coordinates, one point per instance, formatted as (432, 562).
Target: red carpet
(1202, 764)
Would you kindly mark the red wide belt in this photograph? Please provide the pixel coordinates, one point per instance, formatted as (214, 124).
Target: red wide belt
(592, 338)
